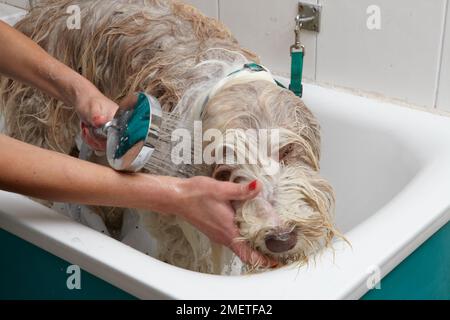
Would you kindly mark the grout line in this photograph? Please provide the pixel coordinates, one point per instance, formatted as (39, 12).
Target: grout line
(316, 36)
(218, 11)
(437, 81)
(315, 57)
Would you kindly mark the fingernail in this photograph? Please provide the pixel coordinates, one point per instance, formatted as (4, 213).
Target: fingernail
(253, 185)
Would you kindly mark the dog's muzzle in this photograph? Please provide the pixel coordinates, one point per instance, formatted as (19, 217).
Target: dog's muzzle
(281, 242)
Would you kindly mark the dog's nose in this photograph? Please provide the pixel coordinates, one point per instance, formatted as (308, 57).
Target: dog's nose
(281, 242)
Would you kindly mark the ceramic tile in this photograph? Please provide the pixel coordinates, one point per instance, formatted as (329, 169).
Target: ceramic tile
(267, 28)
(399, 61)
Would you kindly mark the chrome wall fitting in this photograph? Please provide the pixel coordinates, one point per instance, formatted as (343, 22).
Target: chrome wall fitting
(309, 16)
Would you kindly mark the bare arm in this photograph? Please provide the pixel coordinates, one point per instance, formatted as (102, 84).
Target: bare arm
(22, 59)
(203, 202)
(58, 177)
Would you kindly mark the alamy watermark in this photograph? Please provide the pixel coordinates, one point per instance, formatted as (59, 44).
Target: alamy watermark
(374, 17)
(233, 147)
(374, 278)
(73, 22)
(74, 280)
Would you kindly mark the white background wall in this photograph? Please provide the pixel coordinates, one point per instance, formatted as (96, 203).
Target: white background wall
(24, 4)
(408, 59)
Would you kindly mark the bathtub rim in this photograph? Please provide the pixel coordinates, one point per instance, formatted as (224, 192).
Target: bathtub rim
(123, 273)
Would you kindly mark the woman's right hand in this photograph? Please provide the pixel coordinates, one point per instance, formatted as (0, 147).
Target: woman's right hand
(206, 204)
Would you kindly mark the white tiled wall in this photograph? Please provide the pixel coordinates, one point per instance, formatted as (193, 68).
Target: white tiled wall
(401, 61)
(443, 97)
(266, 27)
(24, 4)
(208, 7)
(10, 14)
(408, 59)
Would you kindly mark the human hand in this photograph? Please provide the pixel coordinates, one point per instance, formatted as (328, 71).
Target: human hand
(206, 204)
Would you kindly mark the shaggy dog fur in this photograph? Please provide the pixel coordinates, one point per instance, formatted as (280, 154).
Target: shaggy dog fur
(172, 51)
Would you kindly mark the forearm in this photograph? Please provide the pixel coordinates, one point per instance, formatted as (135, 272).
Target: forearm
(25, 61)
(57, 177)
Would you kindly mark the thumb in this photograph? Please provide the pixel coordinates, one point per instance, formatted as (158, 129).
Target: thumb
(239, 191)
(101, 111)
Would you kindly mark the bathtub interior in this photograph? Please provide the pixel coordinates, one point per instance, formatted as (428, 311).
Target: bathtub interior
(366, 166)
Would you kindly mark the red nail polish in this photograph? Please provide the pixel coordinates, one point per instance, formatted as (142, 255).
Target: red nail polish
(252, 186)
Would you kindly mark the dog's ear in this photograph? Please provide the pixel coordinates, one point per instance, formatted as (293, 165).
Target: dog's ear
(324, 194)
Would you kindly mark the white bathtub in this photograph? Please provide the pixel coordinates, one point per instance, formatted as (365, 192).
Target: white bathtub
(390, 166)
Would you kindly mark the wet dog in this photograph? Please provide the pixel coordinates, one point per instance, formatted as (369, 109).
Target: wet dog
(195, 67)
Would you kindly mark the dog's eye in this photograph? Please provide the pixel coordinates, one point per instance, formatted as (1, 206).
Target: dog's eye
(222, 174)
